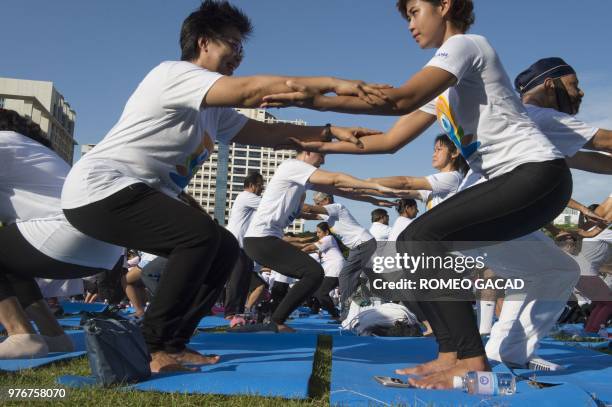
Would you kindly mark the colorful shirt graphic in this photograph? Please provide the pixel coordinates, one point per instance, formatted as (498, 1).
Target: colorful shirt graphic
(193, 162)
(464, 143)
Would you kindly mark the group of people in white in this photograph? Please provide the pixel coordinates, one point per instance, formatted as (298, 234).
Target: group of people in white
(502, 174)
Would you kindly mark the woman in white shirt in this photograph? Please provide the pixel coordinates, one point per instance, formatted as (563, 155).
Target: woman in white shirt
(407, 209)
(332, 261)
(36, 239)
(470, 94)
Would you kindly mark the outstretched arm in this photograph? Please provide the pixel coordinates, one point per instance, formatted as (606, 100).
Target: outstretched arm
(404, 182)
(406, 129)
(280, 135)
(339, 180)
(249, 91)
(359, 195)
(591, 161)
(424, 86)
(602, 141)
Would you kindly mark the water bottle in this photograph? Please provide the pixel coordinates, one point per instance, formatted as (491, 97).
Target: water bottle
(486, 383)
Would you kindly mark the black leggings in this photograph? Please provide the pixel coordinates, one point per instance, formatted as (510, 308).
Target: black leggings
(322, 295)
(279, 291)
(237, 288)
(200, 255)
(504, 208)
(20, 263)
(288, 260)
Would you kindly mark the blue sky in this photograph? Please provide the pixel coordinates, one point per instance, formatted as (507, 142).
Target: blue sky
(96, 52)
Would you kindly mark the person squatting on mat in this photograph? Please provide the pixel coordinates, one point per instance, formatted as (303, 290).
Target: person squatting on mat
(244, 207)
(529, 314)
(281, 204)
(356, 238)
(332, 262)
(431, 190)
(595, 250)
(466, 88)
(129, 189)
(36, 240)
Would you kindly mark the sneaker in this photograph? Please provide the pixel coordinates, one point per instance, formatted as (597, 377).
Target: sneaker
(539, 364)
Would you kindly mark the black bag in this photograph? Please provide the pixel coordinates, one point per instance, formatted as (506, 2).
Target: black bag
(116, 350)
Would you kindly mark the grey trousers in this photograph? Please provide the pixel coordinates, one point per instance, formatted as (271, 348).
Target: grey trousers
(357, 260)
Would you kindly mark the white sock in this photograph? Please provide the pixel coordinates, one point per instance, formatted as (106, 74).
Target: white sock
(61, 343)
(486, 313)
(23, 346)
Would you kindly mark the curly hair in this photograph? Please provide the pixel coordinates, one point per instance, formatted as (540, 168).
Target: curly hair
(10, 120)
(461, 12)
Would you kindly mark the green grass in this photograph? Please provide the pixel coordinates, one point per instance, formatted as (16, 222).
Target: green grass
(44, 377)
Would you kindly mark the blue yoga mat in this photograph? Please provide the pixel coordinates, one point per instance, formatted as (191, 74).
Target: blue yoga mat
(77, 307)
(316, 325)
(356, 360)
(268, 365)
(587, 369)
(15, 365)
(213, 322)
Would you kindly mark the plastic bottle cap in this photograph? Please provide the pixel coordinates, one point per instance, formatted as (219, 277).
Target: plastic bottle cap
(457, 382)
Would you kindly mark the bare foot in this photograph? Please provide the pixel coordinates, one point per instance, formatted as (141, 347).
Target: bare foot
(444, 379)
(282, 328)
(191, 356)
(444, 361)
(163, 362)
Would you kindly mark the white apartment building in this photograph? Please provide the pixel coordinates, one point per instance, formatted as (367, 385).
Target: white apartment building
(45, 106)
(216, 185)
(567, 217)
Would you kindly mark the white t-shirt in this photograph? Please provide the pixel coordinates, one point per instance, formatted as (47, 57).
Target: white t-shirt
(282, 201)
(146, 258)
(400, 224)
(60, 288)
(604, 236)
(331, 256)
(242, 211)
(162, 138)
(380, 231)
(471, 178)
(566, 132)
(443, 186)
(345, 227)
(276, 277)
(31, 179)
(482, 114)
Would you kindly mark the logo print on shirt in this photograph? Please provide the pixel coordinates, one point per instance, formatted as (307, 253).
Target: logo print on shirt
(193, 162)
(455, 133)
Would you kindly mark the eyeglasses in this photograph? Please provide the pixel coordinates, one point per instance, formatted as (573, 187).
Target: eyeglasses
(235, 45)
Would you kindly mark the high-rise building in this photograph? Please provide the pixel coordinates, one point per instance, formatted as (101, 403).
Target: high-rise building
(569, 216)
(216, 185)
(45, 106)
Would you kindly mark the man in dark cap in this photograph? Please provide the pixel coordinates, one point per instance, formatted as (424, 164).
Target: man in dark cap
(549, 90)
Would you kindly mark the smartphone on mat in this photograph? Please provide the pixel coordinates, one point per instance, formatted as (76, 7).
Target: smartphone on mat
(391, 381)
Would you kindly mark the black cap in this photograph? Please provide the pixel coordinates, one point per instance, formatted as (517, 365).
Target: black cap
(537, 73)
